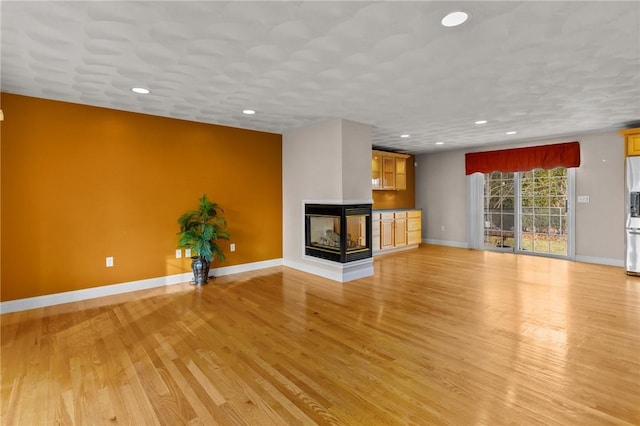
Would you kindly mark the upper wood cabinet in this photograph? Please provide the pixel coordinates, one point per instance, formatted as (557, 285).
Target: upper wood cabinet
(631, 141)
(388, 170)
(376, 170)
(401, 173)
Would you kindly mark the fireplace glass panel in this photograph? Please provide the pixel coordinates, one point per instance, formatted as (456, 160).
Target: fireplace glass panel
(325, 232)
(356, 232)
(340, 233)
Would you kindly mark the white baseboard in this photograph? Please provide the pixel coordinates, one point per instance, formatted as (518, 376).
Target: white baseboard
(332, 271)
(600, 260)
(458, 244)
(245, 267)
(395, 249)
(113, 289)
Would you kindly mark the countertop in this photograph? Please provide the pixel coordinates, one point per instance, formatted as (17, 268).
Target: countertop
(392, 210)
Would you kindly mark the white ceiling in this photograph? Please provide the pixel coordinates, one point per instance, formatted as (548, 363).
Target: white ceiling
(543, 69)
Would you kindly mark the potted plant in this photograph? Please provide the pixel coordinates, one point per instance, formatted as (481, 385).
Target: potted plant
(199, 231)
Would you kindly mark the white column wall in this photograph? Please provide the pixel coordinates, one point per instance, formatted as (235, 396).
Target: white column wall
(328, 162)
(356, 162)
(311, 169)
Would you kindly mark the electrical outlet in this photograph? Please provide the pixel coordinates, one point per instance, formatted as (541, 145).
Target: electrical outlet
(178, 253)
(583, 198)
(442, 228)
(109, 262)
(187, 252)
(232, 247)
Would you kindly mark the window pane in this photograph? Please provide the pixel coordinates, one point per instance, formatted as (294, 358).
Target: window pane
(555, 224)
(508, 222)
(558, 202)
(541, 224)
(541, 201)
(526, 223)
(558, 245)
(526, 242)
(527, 210)
(507, 204)
(541, 243)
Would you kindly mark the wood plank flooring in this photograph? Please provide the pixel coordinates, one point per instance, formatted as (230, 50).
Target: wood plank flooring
(438, 336)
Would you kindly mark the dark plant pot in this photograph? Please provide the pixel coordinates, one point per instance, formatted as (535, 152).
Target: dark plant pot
(200, 269)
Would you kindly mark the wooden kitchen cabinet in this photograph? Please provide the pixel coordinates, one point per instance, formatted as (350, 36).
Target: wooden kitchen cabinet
(401, 173)
(634, 145)
(396, 229)
(376, 171)
(387, 231)
(400, 229)
(388, 170)
(414, 227)
(631, 141)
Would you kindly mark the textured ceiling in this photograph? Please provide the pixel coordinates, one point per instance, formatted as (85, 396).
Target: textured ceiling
(539, 68)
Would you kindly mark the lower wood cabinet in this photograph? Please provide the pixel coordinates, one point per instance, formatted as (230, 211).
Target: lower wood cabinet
(396, 229)
(400, 228)
(414, 227)
(387, 231)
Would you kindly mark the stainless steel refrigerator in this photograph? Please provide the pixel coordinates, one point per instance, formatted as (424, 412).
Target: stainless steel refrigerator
(632, 211)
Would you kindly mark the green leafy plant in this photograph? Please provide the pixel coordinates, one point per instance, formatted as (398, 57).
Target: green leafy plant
(201, 228)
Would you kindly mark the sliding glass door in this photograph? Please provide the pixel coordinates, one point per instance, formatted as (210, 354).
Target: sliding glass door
(543, 219)
(528, 212)
(499, 210)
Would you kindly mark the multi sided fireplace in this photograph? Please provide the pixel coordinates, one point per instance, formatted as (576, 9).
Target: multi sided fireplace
(341, 233)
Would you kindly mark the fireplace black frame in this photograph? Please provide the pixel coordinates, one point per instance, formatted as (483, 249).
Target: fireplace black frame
(343, 254)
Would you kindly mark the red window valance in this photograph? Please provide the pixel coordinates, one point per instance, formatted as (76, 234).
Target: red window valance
(524, 159)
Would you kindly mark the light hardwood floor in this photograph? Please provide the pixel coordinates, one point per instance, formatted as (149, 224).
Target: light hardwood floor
(438, 336)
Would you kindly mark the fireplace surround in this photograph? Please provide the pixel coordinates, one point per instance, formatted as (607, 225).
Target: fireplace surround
(338, 232)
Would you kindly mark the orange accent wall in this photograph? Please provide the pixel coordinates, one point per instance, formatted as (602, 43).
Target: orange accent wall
(398, 199)
(81, 183)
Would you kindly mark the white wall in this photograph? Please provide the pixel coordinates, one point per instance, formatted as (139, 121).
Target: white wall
(600, 224)
(356, 157)
(328, 162)
(311, 170)
(441, 193)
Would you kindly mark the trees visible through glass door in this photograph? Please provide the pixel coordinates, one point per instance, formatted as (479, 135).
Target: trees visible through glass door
(527, 211)
(499, 211)
(543, 211)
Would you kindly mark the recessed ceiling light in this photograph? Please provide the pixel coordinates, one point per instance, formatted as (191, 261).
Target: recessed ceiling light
(454, 19)
(404, 136)
(439, 143)
(481, 122)
(511, 133)
(140, 90)
(248, 111)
